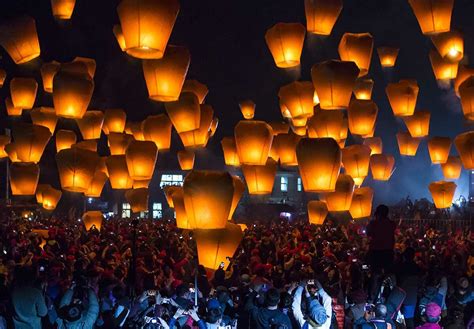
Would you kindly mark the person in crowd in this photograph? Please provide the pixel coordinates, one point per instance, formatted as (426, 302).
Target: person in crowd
(432, 317)
(318, 306)
(375, 318)
(74, 313)
(268, 315)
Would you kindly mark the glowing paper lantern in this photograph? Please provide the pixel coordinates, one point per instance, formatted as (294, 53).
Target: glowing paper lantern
(253, 140)
(285, 41)
(297, 97)
(135, 129)
(326, 124)
(138, 199)
(341, 198)
(247, 108)
(229, 149)
(186, 159)
(185, 113)
(39, 192)
(157, 128)
(23, 92)
(357, 48)
(465, 147)
(319, 162)
(214, 125)
(147, 26)
(62, 9)
(4, 140)
(442, 193)
(407, 144)
(388, 56)
(19, 38)
(382, 166)
(418, 124)
(199, 137)
(90, 124)
(363, 89)
(92, 219)
(356, 159)
(317, 212)
(402, 96)
(119, 36)
(362, 115)
(3, 76)
(375, 144)
(141, 183)
(44, 116)
(169, 190)
(90, 145)
(114, 121)
(243, 227)
(443, 69)
(76, 168)
(11, 110)
(65, 139)
(361, 205)
(466, 92)
(208, 198)
(300, 131)
(24, 178)
(10, 149)
(334, 81)
(239, 189)
(439, 148)
(48, 71)
(464, 73)
(119, 142)
(450, 45)
(452, 168)
(72, 93)
(434, 16)
(30, 141)
(182, 221)
(101, 166)
(81, 66)
(50, 197)
(197, 88)
(118, 172)
(259, 178)
(285, 145)
(165, 77)
(279, 127)
(96, 185)
(141, 159)
(321, 15)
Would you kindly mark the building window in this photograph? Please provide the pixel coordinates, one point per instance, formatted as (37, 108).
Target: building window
(157, 211)
(143, 214)
(126, 210)
(171, 180)
(284, 184)
(299, 187)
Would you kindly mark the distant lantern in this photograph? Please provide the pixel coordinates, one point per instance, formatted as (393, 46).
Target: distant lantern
(44, 116)
(357, 48)
(321, 15)
(334, 81)
(4, 140)
(450, 45)
(76, 168)
(51, 198)
(317, 212)
(199, 137)
(356, 159)
(239, 189)
(3, 76)
(341, 198)
(24, 178)
(466, 92)
(147, 26)
(439, 148)
(92, 219)
(319, 162)
(375, 144)
(362, 115)
(253, 140)
(407, 144)
(72, 93)
(138, 199)
(11, 110)
(464, 73)
(285, 145)
(114, 121)
(326, 124)
(62, 9)
(434, 16)
(23, 92)
(177, 197)
(186, 159)
(81, 65)
(117, 30)
(285, 41)
(418, 124)
(208, 198)
(361, 206)
(452, 168)
(118, 143)
(443, 69)
(382, 166)
(165, 77)
(168, 190)
(388, 56)
(363, 89)
(90, 124)
(465, 147)
(402, 96)
(30, 141)
(260, 179)
(197, 88)
(157, 128)
(229, 149)
(279, 127)
(118, 172)
(40, 188)
(48, 71)
(96, 185)
(135, 129)
(141, 159)
(215, 247)
(185, 113)
(19, 38)
(141, 183)
(65, 139)
(247, 108)
(442, 193)
(297, 97)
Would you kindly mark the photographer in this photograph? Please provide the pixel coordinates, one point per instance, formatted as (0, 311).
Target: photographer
(73, 313)
(375, 318)
(318, 306)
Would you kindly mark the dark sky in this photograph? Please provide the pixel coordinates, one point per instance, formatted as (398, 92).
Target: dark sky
(229, 54)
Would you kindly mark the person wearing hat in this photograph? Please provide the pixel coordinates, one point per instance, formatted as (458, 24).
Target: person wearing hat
(431, 317)
(357, 309)
(375, 318)
(318, 306)
(74, 315)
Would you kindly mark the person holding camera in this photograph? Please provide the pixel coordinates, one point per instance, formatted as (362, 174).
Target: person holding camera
(375, 317)
(318, 306)
(73, 313)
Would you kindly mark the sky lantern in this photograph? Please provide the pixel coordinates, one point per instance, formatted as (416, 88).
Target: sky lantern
(319, 162)
(217, 246)
(361, 206)
(363, 89)
(285, 145)
(439, 148)
(157, 128)
(3, 76)
(464, 73)
(135, 129)
(260, 179)
(4, 140)
(30, 141)
(321, 15)
(118, 172)
(19, 38)
(138, 199)
(279, 127)
(273, 154)
(24, 178)
(177, 197)
(362, 115)
(81, 66)
(402, 96)
(44, 116)
(407, 144)
(434, 16)
(299, 121)
(450, 45)
(334, 81)
(23, 92)
(356, 159)
(199, 137)
(11, 110)
(117, 30)
(102, 166)
(443, 69)
(465, 146)
(48, 71)
(90, 145)
(466, 92)
(197, 88)
(382, 166)
(147, 26)
(65, 139)
(114, 121)
(285, 42)
(92, 219)
(229, 149)
(297, 97)
(165, 77)
(341, 198)
(418, 124)
(51, 197)
(317, 212)
(239, 189)
(388, 56)
(118, 143)
(141, 183)
(186, 159)
(72, 93)
(357, 48)
(326, 124)
(253, 140)
(39, 192)
(168, 190)
(247, 107)
(76, 168)
(185, 113)
(10, 150)
(300, 131)
(208, 198)
(452, 168)
(442, 193)
(141, 159)
(214, 125)
(96, 185)
(62, 9)
(375, 144)
(90, 124)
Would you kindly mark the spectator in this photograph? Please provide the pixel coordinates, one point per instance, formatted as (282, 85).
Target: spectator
(375, 318)
(431, 317)
(267, 316)
(76, 315)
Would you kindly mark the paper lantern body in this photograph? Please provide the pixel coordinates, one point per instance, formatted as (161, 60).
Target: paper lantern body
(381, 166)
(44, 116)
(72, 93)
(168, 190)
(341, 198)
(363, 89)
(239, 189)
(114, 121)
(4, 140)
(214, 125)
(321, 15)
(82, 66)
(247, 108)
(297, 98)
(466, 92)
(65, 139)
(199, 137)
(76, 168)
(285, 41)
(197, 88)
(375, 144)
(317, 212)
(19, 38)
(356, 159)
(279, 127)
(285, 146)
(30, 141)
(185, 113)
(402, 97)
(229, 149)
(90, 145)
(407, 144)
(186, 159)
(23, 92)
(442, 193)
(452, 168)
(92, 219)
(157, 128)
(362, 115)
(141, 159)
(434, 16)
(357, 48)
(182, 221)
(3, 76)
(439, 148)
(119, 36)
(135, 129)
(361, 206)
(118, 143)
(465, 147)
(118, 172)
(464, 73)
(51, 197)
(253, 140)
(138, 199)
(48, 71)
(418, 124)
(24, 178)
(90, 124)
(450, 45)
(443, 69)
(96, 185)
(11, 110)
(62, 9)
(388, 56)
(326, 124)
(260, 179)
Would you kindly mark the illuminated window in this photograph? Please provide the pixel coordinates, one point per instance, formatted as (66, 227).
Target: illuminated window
(284, 184)
(157, 211)
(126, 210)
(299, 187)
(171, 180)
(144, 214)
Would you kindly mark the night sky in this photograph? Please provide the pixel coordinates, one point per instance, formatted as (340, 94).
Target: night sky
(229, 55)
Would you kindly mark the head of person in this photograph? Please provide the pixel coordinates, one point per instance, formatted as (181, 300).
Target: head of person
(272, 298)
(317, 314)
(433, 313)
(71, 313)
(381, 212)
(380, 311)
(214, 312)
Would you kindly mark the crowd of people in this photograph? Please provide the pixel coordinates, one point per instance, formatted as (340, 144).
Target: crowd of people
(384, 274)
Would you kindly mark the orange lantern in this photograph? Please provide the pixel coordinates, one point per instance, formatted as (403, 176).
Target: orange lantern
(402, 96)
(72, 93)
(247, 108)
(434, 16)
(197, 88)
(341, 198)
(407, 144)
(317, 212)
(141, 159)
(23, 92)
(321, 15)
(362, 115)
(439, 148)
(90, 145)
(443, 69)
(138, 199)
(361, 206)
(297, 97)
(375, 144)
(186, 159)
(357, 48)
(214, 125)
(114, 121)
(3, 76)
(319, 162)
(40, 188)
(326, 124)
(65, 139)
(388, 56)
(24, 178)
(90, 124)
(382, 166)
(96, 185)
(253, 140)
(239, 189)
(62, 9)
(169, 190)
(118, 172)
(4, 140)
(44, 116)
(356, 159)
(157, 128)
(48, 71)
(92, 219)
(464, 73)
(185, 113)
(229, 149)
(117, 30)
(76, 168)
(30, 141)
(119, 142)
(199, 137)
(450, 45)
(10, 149)
(273, 154)
(19, 38)
(300, 131)
(279, 127)
(11, 110)
(465, 147)
(285, 41)
(452, 168)
(101, 166)
(418, 124)
(243, 227)
(135, 129)
(334, 81)
(141, 183)
(81, 66)
(285, 145)
(182, 221)
(442, 193)
(466, 92)
(363, 89)
(165, 77)
(260, 179)
(51, 197)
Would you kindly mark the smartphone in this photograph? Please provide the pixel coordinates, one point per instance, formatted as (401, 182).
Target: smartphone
(192, 290)
(222, 264)
(41, 269)
(310, 282)
(365, 267)
(369, 307)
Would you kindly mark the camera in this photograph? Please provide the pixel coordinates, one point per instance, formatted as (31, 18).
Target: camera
(369, 307)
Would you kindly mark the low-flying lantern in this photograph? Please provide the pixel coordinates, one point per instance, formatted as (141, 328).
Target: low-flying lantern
(247, 108)
(452, 168)
(135, 129)
(48, 71)
(418, 124)
(44, 116)
(388, 56)
(62, 9)
(96, 185)
(361, 206)
(407, 144)
(464, 73)
(90, 124)
(177, 197)
(466, 92)
(24, 178)
(450, 45)
(239, 189)
(341, 198)
(442, 193)
(30, 141)
(326, 124)
(285, 145)
(297, 97)
(382, 166)
(76, 168)
(114, 121)
(402, 96)
(141, 159)
(229, 149)
(118, 172)
(118, 143)
(65, 139)
(197, 88)
(168, 191)
(279, 127)
(199, 137)
(260, 179)
(138, 199)
(39, 192)
(363, 89)
(321, 15)
(375, 144)
(11, 110)
(253, 140)
(317, 212)
(81, 65)
(443, 69)
(185, 113)
(357, 48)
(465, 146)
(356, 159)
(362, 115)
(439, 148)
(4, 140)
(19, 38)
(23, 92)
(72, 93)
(285, 41)
(3, 76)
(50, 197)
(157, 128)
(434, 16)
(186, 159)
(117, 30)
(92, 218)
